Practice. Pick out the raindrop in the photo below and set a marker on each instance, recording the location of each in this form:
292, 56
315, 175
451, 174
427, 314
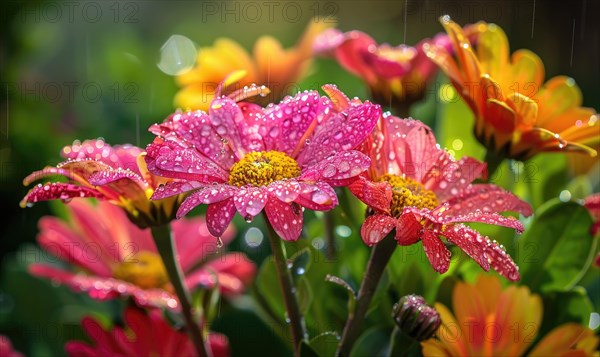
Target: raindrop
177, 55
219, 242
565, 195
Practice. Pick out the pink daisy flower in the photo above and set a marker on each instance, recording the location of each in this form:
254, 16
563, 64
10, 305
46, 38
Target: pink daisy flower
112, 257
144, 335
241, 157
393, 73
422, 192
116, 174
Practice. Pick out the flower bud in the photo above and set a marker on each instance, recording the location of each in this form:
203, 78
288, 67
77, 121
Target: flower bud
415, 318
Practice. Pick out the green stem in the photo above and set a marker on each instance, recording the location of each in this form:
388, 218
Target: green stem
380, 256
330, 250
166, 248
296, 320
402, 345
493, 161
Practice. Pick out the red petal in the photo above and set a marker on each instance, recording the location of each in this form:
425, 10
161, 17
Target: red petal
376, 227
487, 197
470, 242
408, 229
205, 195
377, 195
286, 219
58, 191
502, 262
436, 251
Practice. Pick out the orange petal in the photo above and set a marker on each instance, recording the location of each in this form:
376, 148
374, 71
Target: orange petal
557, 96
195, 97
462, 47
564, 338
526, 110
527, 71
450, 333
492, 49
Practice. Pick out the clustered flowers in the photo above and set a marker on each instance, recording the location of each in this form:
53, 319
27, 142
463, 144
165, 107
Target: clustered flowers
233, 155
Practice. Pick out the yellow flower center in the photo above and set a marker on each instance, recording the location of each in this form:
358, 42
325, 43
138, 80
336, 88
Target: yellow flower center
407, 192
260, 168
145, 270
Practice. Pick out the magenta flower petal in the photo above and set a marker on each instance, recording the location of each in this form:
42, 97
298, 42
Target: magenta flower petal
188, 164
45, 172
228, 121
328, 40
285, 218
317, 196
58, 191
102, 178
250, 200
219, 215
470, 242
339, 169
174, 188
120, 156
340, 132
194, 129
487, 197
408, 229
376, 195
205, 195
386, 67
436, 251
286, 191
289, 120
376, 227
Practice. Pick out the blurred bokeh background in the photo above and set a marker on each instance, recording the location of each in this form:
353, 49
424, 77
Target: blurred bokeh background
87, 69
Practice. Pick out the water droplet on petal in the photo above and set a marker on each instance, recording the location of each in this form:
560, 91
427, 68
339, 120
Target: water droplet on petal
219, 242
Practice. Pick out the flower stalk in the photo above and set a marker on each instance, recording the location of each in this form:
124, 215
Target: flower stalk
380, 256
296, 320
165, 244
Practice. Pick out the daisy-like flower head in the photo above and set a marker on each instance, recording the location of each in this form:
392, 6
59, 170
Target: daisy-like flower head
244, 158
394, 74
145, 334
489, 320
516, 114
418, 189
111, 257
116, 174
278, 68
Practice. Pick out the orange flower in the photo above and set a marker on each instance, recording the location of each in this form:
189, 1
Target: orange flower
278, 68
516, 115
491, 321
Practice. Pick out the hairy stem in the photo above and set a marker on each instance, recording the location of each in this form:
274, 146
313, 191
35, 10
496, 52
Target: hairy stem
380, 256
296, 320
166, 248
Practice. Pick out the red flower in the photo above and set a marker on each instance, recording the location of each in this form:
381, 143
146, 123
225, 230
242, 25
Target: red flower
393, 73
244, 158
423, 193
143, 335
113, 257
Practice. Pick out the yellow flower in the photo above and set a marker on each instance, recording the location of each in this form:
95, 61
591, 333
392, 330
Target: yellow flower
491, 321
270, 64
516, 114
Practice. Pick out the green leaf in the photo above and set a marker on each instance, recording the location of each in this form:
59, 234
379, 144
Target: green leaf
304, 294
374, 342
307, 351
402, 345
556, 250
325, 344
268, 292
563, 307
300, 263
